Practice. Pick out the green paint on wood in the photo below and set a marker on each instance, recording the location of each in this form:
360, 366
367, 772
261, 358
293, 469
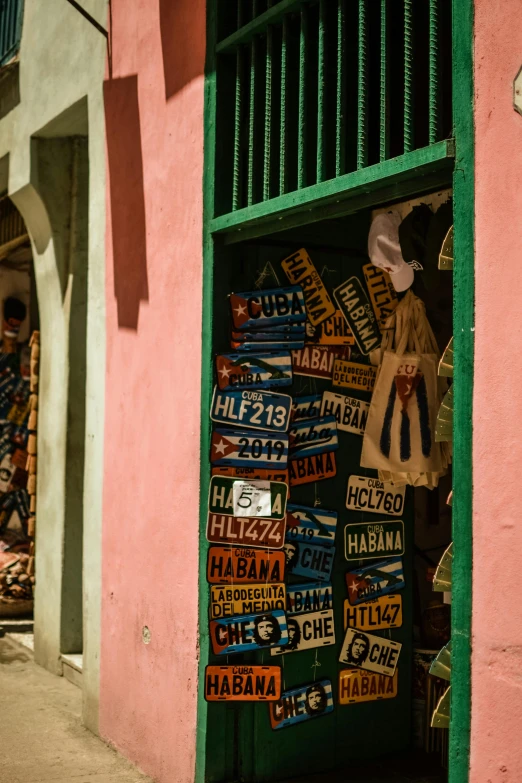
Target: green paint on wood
463, 379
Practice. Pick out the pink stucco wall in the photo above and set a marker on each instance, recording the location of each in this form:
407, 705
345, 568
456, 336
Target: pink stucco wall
154, 117
496, 742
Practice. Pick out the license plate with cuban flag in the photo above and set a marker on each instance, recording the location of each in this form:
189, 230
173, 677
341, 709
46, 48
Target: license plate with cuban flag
253, 370
238, 447
271, 307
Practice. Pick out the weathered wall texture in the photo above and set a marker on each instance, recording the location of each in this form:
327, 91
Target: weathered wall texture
496, 748
154, 120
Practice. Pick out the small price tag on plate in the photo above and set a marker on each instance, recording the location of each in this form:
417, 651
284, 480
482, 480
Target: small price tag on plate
251, 499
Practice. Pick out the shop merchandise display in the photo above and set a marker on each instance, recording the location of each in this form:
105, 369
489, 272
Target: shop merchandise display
270, 564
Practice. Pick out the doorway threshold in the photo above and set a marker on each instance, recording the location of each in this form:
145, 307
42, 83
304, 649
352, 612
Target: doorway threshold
413, 767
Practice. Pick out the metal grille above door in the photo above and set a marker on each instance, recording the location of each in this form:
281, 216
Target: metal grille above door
310, 90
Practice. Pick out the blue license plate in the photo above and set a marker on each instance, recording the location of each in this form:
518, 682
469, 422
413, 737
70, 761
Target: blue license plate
309, 560
257, 410
241, 447
307, 407
248, 632
272, 307
311, 525
309, 597
287, 333
252, 347
316, 436
372, 581
302, 703
253, 371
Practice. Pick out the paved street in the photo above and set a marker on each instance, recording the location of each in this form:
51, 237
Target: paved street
41, 736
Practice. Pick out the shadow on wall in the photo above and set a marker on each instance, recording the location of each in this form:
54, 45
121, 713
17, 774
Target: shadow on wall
129, 245
182, 42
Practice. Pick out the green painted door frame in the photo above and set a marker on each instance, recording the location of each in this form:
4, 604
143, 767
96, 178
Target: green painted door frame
403, 179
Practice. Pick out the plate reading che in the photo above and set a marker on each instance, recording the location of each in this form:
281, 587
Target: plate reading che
369, 652
350, 413
248, 632
308, 560
305, 702
221, 496
370, 494
307, 631
374, 540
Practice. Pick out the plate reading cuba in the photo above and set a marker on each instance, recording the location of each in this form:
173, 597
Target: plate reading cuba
315, 525
240, 501
271, 307
313, 437
374, 580
242, 447
257, 410
374, 540
309, 597
305, 702
307, 631
350, 413
372, 495
248, 632
253, 370
306, 407
369, 652
242, 683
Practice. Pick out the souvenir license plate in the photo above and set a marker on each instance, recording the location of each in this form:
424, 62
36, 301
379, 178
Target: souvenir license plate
246, 531
370, 494
307, 407
356, 685
237, 447
309, 560
252, 474
355, 305
305, 470
231, 600
317, 361
351, 375
272, 307
302, 703
379, 615
237, 498
314, 525
369, 652
281, 333
311, 597
242, 683
374, 580
374, 540
306, 631
228, 566
253, 371
313, 437
248, 632
257, 410
381, 291
350, 413
299, 269
272, 345
333, 331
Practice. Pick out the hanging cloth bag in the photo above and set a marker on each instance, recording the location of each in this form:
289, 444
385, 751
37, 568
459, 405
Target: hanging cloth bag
400, 432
